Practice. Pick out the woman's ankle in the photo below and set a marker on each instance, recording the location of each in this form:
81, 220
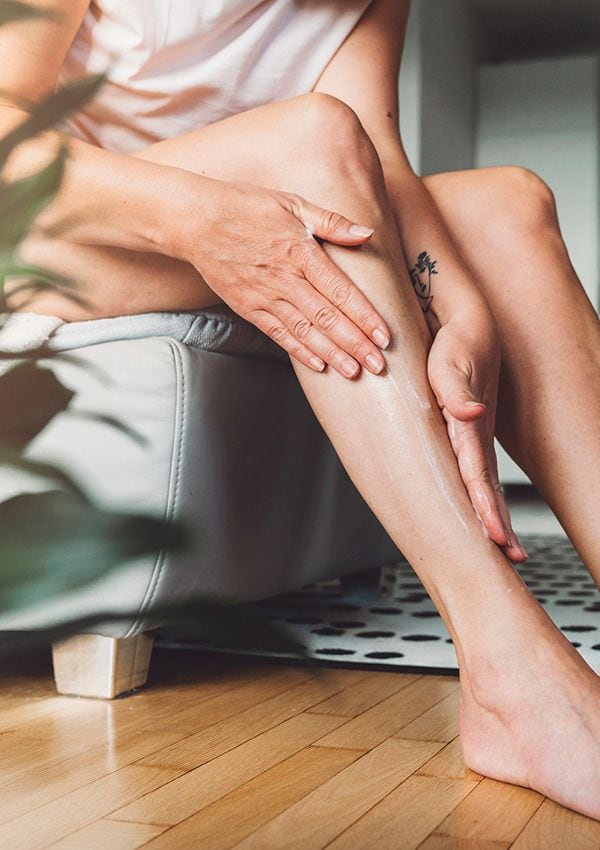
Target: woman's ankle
502, 678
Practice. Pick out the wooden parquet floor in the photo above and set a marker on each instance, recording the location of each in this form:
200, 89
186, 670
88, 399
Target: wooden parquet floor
221, 753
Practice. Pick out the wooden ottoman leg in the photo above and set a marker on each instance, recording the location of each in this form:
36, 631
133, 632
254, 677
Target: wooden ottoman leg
102, 667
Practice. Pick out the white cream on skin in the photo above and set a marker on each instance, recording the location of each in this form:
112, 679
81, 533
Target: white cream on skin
437, 463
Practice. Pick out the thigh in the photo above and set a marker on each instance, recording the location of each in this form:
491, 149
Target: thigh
256, 146
499, 218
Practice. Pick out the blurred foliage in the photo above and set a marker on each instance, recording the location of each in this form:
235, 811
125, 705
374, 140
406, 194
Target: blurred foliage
57, 541
13, 10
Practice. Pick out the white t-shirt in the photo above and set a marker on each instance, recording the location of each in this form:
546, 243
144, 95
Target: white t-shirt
176, 65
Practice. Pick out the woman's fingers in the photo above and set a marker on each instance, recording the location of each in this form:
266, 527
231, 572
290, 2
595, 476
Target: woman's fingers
328, 225
515, 550
478, 468
328, 279
306, 332
472, 463
276, 329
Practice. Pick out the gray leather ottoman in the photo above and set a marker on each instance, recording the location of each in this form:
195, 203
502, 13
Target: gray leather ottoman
230, 444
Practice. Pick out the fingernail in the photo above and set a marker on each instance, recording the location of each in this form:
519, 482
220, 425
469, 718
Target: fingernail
316, 363
474, 404
374, 363
380, 338
516, 543
359, 230
349, 367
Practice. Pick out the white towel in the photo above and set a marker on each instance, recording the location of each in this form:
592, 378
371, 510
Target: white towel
216, 329
21, 332
26, 331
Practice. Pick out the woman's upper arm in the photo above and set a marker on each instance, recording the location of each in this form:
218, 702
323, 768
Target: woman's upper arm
364, 71
32, 51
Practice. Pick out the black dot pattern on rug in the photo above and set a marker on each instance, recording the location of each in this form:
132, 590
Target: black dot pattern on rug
420, 637
384, 655
336, 651
411, 597
425, 615
392, 623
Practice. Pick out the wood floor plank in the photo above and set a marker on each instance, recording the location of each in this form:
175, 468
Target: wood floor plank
204, 785
446, 842
226, 822
494, 811
316, 820
555, 828
50, 782
438, 723
215, 740
113, 723
371, 690
18, 715
104, 834
406, 816
220, 753
81, 807
449, 763
344, 676
376, 724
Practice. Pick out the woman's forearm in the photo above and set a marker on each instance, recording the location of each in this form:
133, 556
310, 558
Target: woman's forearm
445, 288
108, 198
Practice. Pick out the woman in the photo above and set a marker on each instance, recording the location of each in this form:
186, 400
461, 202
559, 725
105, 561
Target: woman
232, 133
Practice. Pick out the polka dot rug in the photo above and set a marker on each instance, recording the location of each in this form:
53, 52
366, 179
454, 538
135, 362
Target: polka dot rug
384, 617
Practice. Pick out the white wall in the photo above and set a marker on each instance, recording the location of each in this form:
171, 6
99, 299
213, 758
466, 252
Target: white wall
411, 89
438, 86
545, 115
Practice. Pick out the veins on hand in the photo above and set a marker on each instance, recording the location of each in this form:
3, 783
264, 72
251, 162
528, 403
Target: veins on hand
421, 275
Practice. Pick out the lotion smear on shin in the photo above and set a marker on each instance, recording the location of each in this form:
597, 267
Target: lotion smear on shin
437, 463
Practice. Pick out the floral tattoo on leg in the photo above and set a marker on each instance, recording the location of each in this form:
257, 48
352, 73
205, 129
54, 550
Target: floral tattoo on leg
421, 275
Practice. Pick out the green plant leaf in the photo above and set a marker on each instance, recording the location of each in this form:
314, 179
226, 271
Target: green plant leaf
51, 111
30, 397
52, 543
49, 471
22, 200
14, 268
13, 10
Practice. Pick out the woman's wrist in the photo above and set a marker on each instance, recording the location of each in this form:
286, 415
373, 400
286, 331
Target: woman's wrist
183, 218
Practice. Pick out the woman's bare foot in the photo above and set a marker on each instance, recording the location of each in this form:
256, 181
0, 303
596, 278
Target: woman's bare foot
535, 721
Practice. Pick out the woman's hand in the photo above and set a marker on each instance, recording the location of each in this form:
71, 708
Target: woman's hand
256, 249
463, 367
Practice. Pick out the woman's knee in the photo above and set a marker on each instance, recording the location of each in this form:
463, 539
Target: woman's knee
522, 195
331, 141
502, 204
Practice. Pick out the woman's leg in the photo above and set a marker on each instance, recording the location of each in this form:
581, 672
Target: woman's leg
505, 225
526, 710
